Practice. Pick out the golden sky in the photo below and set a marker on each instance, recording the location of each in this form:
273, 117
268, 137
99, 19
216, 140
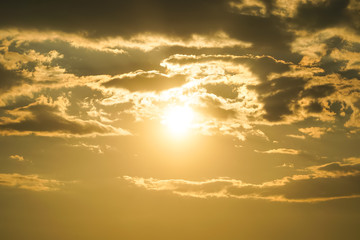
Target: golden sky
192, 119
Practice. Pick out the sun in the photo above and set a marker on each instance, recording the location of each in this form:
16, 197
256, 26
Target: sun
178, 119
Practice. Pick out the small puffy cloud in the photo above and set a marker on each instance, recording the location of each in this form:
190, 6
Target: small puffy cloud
249, 7
315, 132
281, 151
17, 158
29, 182
326, 182
296, 136
286, 165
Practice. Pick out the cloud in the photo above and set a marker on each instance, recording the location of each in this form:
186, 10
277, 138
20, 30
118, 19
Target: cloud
286, 165
315, 132
29, 182
146, 81
158, 16
46, 117
250, 7
91, 147
215, 108
281, 151
144, 41
323, 14
17, 158
296, 136
261, 66
9, 79
279, 95
326, 182
236, 77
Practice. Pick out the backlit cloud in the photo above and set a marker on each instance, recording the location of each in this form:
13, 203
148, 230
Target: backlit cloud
281, 151
17, 158
46, 117
29, 182
315, 132
326, 182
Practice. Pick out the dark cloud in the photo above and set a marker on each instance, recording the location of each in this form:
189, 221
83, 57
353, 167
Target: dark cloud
278, 94
327, 182
260, 66
263, 66
83, 61
324, 14
214, 108
331, 65
338, 106
223, 90
126, 18
315, 107
319, 188
46, 119
147, 81
340, 168
9, 79
350, 74
281, 96
341, 66
319, 91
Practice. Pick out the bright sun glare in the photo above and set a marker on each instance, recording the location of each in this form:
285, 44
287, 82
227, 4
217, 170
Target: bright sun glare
178, 119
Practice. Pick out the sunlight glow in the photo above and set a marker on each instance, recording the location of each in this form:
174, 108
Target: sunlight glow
178, 119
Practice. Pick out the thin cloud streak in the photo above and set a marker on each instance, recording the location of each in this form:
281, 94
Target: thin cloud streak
337, 180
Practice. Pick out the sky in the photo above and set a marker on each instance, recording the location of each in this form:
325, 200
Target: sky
184, 119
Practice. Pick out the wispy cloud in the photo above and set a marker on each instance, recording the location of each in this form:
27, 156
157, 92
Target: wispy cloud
281, 151
296, 136
91, 147
315, 132
326, 182
29, 182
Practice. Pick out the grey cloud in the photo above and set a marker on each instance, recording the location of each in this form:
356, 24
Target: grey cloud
147, 81
339, 167
323, 183
9, 79
46, 119
126, 18
278, 94
331, 64
314, 107
324, 14
214, 108
350, 74
83, 61
223, 90
319, 91
261, 66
